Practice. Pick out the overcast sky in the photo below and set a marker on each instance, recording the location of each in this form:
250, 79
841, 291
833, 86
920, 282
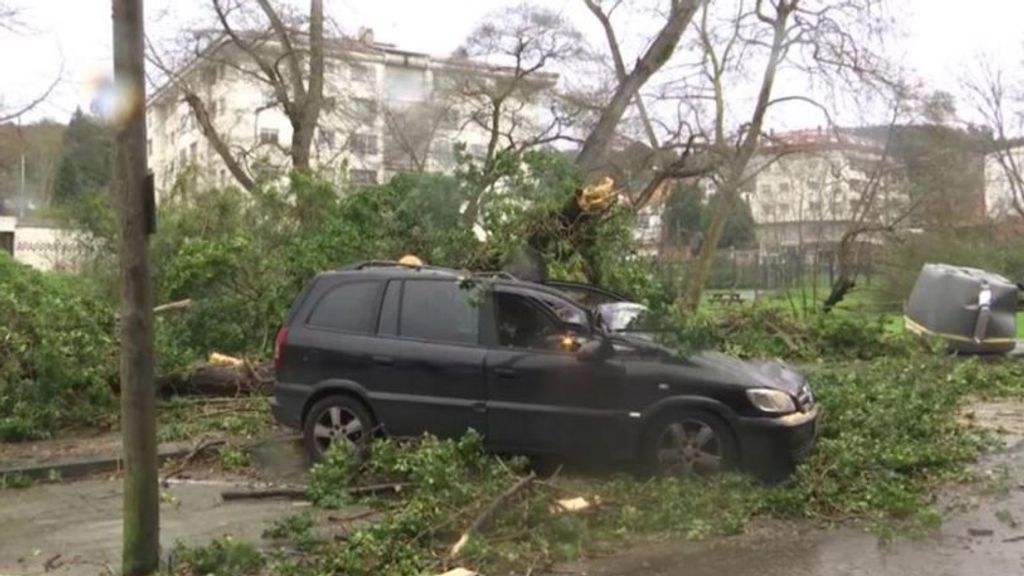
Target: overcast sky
941, 38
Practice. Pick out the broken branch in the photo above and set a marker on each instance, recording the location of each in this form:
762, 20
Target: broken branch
488, 512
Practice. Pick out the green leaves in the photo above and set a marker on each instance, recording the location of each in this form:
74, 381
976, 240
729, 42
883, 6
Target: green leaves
57, 352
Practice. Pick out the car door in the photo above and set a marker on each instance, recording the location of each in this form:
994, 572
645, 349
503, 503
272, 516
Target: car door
431, 351
336, 333
540, 396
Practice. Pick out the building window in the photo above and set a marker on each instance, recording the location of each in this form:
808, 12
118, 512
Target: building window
450, 119
784, 187
765, 189
193, 151
325, 139
365, 110
362, 73
478, 151
362, 177
222, 177
7, 242
329, 104
784, 208
444, 151
268, 136
814, 207
222, 107
182, 158
364, 144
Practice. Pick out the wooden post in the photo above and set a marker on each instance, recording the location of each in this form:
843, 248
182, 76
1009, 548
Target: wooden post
141, 554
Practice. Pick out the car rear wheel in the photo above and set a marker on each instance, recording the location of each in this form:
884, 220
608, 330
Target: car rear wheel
689, 444
335, 419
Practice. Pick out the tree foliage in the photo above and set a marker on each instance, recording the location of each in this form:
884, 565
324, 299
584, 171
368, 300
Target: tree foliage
57, 352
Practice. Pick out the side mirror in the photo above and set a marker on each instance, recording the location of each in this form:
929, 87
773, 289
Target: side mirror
595, 350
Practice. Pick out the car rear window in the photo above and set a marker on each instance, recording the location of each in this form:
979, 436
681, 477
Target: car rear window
350, 307
439, 310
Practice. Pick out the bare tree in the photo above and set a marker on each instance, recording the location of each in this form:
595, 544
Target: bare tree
281, 51
10, 22
628, 85
993, 98
826, 39
883, 204
521, 44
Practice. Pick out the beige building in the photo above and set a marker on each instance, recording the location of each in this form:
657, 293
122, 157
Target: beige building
385, 111
809, 185
1001, 199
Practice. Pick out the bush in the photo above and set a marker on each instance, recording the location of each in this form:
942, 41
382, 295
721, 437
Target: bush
224, 556
770, 331
58, 355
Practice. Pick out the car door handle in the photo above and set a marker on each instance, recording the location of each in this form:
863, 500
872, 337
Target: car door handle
505, 372
384, 360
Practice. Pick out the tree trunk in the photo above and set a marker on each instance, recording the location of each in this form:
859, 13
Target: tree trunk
705, 259
596, 144
141, 528
304, 130
219, 145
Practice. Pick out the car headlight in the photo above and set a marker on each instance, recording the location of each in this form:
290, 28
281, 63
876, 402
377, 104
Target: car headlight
771, 401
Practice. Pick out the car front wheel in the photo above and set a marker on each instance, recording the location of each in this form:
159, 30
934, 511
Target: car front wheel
688, 444
335, 419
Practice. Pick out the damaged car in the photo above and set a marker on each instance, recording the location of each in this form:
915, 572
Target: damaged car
406, 350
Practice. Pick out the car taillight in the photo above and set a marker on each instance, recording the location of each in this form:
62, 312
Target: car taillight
279, 342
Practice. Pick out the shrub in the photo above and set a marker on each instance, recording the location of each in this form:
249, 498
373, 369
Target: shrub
57, 352
224, 556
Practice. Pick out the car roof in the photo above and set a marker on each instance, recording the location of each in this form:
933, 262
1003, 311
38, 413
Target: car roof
389, 269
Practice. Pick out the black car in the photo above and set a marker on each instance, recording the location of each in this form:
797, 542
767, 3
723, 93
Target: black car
406, 350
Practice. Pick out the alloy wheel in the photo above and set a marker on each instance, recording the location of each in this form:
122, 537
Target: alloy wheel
689, 448
337, 423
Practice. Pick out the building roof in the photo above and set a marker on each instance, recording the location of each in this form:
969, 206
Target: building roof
364, 48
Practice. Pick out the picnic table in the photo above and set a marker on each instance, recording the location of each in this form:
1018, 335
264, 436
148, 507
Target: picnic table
726, 298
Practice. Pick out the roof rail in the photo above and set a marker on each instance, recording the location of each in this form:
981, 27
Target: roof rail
496, 274
391, 264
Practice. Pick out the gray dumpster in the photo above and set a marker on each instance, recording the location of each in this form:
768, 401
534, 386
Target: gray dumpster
973, 310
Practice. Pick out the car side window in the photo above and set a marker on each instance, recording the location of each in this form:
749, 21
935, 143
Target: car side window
521, 322
388, 324
439, 310
349, 307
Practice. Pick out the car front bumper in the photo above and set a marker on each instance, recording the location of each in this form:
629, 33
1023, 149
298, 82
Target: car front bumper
771, 447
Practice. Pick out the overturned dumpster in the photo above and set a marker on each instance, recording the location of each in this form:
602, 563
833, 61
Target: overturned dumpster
974, 311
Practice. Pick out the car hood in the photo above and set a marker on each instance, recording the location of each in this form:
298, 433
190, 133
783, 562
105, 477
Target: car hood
718, 367
748, 373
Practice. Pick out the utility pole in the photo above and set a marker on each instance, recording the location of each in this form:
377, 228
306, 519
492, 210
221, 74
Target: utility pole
141, 554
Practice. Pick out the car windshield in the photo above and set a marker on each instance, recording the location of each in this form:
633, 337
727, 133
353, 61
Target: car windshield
620, 316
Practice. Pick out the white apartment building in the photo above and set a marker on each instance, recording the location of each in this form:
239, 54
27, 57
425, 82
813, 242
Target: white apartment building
385, 111
809, 185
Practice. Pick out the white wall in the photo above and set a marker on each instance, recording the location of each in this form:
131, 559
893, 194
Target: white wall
999, 201
47, 248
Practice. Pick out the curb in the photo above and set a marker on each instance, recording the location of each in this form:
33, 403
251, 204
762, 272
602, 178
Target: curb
74, 468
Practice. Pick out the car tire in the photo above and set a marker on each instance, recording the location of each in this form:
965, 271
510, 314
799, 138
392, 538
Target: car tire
688, 444
334, 417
